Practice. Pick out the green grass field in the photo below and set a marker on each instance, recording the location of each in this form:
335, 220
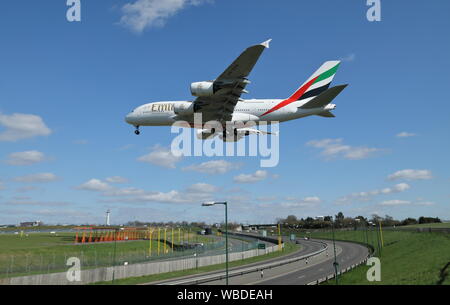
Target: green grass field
288, 248
445, 225
45, 253
409, 258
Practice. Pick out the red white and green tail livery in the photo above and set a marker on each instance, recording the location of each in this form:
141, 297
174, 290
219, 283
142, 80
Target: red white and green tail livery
318, 83
220, 100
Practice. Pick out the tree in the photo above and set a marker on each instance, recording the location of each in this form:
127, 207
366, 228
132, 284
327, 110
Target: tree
409, 221
423, 219
291, 220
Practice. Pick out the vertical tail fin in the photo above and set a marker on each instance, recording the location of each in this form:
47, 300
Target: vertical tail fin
318, 82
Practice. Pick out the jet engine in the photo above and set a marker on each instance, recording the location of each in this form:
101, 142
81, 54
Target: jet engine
183, 108
206, 88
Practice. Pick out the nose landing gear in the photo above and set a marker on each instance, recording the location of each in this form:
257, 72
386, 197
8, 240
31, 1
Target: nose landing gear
137, 132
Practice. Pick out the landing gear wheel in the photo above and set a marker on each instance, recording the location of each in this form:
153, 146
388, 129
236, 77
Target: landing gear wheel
137, 132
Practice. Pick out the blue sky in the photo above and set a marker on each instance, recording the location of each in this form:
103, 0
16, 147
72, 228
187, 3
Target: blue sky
66, 154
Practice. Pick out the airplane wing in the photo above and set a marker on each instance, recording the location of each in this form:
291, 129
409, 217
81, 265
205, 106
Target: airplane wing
231, 83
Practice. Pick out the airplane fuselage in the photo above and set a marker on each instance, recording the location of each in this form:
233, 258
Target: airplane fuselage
255, 110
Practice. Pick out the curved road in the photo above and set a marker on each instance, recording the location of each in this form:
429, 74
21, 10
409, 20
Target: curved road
348, 254
297, 273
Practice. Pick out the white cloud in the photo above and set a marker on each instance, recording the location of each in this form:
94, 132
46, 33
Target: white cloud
142, 14
334, 148
129, 191
425, 203
39, 178
162, 157
301, 203
202, 188
395, 202
251, 178
401, 187
405, 134
367, 196
411, 174
25, 157
116, 179
95, 185
193, 194
22, 126
26, 201
212, 167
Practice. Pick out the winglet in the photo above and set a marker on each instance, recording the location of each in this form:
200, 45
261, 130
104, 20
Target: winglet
266, 43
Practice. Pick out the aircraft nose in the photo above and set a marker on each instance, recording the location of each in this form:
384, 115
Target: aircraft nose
130, 118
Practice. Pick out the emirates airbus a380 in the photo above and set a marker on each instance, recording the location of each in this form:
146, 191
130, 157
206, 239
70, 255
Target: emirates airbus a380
220, 101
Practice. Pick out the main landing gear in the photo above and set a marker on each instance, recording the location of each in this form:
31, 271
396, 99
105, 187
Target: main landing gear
137, 132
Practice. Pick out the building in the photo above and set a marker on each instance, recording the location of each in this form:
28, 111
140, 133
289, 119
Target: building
31, 224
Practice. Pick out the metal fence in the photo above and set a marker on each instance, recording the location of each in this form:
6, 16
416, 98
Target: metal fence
90, 257
190, 259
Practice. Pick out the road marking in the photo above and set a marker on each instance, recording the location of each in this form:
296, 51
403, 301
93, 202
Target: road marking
301, 276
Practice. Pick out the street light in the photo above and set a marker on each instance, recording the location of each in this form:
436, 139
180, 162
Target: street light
335, 263
211, 203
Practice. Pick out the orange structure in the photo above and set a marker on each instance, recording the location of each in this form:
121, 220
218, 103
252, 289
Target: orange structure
108, 234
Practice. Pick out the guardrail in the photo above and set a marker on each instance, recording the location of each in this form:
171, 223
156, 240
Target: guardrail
216, 277
342, 271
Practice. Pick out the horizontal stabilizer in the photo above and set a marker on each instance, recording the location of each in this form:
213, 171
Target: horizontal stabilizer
324, 98
327, 114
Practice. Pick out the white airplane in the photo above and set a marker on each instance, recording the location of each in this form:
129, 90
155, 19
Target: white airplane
220, 101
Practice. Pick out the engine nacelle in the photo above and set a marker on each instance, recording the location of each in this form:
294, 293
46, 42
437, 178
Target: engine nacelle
183, 108
203, 88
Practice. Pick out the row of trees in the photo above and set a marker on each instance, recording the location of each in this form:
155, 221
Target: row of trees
180, 224
340, 221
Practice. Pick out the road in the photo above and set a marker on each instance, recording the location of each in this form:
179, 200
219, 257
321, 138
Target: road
348, 254
297, 273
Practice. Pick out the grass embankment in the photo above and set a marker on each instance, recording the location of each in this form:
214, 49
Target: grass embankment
407, 258
288, 248
442, 225
45, 252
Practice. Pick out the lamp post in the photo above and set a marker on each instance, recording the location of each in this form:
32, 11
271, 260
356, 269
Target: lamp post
211, 203
335, 263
